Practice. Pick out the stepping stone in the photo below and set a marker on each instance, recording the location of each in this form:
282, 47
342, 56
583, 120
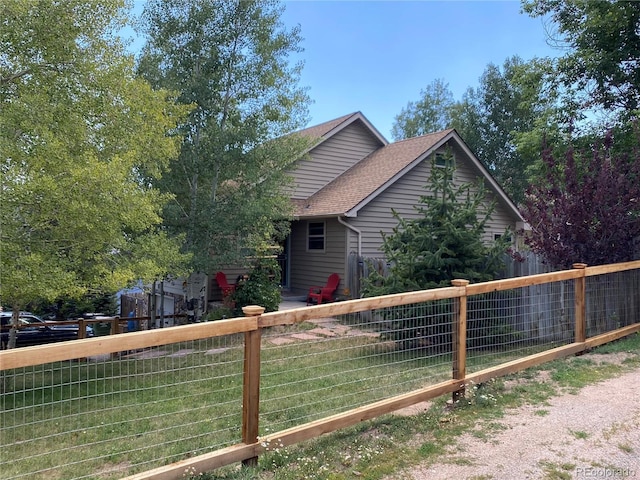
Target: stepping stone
360, 333
281, 340
100, 358
148, 354
323, 331
182, 353
215, 351
341, 329
305, 336
325, 322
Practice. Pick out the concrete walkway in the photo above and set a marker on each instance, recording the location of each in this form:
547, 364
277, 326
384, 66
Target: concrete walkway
287, 304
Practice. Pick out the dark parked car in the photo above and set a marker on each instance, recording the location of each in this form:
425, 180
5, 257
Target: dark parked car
35, 331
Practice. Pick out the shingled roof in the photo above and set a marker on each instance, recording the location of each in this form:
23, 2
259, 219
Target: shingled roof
349, 192
319, 131
370, 176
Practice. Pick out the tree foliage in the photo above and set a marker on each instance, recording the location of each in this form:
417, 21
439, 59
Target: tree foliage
444, 241
493, 118
80, 140
229, 61
262, 287
510, 101
587, 208
603, 60
431, 113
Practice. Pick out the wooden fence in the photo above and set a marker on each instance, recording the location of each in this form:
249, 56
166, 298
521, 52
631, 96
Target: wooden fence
526, 263
590, 317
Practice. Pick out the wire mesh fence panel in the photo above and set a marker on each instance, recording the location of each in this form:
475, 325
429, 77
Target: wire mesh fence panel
613, 301
108, 416
112, 415
330, 365
509, 324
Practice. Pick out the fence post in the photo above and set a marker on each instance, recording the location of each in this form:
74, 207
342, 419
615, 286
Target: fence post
459, 339
580, 304
82, 329
251, 382
115, 325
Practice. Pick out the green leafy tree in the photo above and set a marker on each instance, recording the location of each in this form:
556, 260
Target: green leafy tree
262, 287
466, 118
431, 113
598, 76
229, 61
81, 138
69, 307
444, 242
603, 58
511, 101
493, 118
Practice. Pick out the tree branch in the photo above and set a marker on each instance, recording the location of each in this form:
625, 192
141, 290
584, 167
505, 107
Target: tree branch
15, 76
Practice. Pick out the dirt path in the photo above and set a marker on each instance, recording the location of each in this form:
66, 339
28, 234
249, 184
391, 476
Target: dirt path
592, 434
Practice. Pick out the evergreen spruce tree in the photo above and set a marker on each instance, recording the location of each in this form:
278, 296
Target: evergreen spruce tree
444, 242
441, 244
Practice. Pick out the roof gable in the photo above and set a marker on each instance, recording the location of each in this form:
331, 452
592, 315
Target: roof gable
326, 130
356, 187
369, 177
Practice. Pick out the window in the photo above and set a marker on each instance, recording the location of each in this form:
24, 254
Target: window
498, 236
315, 236
443, 160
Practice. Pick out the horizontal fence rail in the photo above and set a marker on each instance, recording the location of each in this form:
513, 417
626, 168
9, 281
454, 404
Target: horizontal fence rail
156, 403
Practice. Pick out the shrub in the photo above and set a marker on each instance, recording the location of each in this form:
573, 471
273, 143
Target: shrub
261, 288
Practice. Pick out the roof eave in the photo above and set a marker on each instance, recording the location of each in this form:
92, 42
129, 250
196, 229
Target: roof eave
353, 212
320, 215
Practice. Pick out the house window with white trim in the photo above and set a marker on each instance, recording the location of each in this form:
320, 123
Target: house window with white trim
315, 236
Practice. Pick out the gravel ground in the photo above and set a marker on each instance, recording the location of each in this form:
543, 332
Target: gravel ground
594, 433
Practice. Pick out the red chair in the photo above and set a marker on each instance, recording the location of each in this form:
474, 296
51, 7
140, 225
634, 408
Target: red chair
320, 294
226, 287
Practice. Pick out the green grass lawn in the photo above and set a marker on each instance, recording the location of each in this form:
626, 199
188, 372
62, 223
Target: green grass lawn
104, 419
384, 447
145, 412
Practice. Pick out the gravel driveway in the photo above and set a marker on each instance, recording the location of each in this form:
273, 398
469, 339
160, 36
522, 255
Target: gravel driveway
594, 433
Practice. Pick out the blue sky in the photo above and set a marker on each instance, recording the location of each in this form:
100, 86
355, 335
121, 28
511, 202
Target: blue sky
376, 56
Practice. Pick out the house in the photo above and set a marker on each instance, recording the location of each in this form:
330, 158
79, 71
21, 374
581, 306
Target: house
348, 183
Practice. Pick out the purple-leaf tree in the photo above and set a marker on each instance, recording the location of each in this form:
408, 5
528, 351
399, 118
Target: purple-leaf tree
587, 208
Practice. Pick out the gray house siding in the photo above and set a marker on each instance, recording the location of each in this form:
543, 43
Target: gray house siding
376, 216
373, 215
332, 158
310, 267
501, 217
